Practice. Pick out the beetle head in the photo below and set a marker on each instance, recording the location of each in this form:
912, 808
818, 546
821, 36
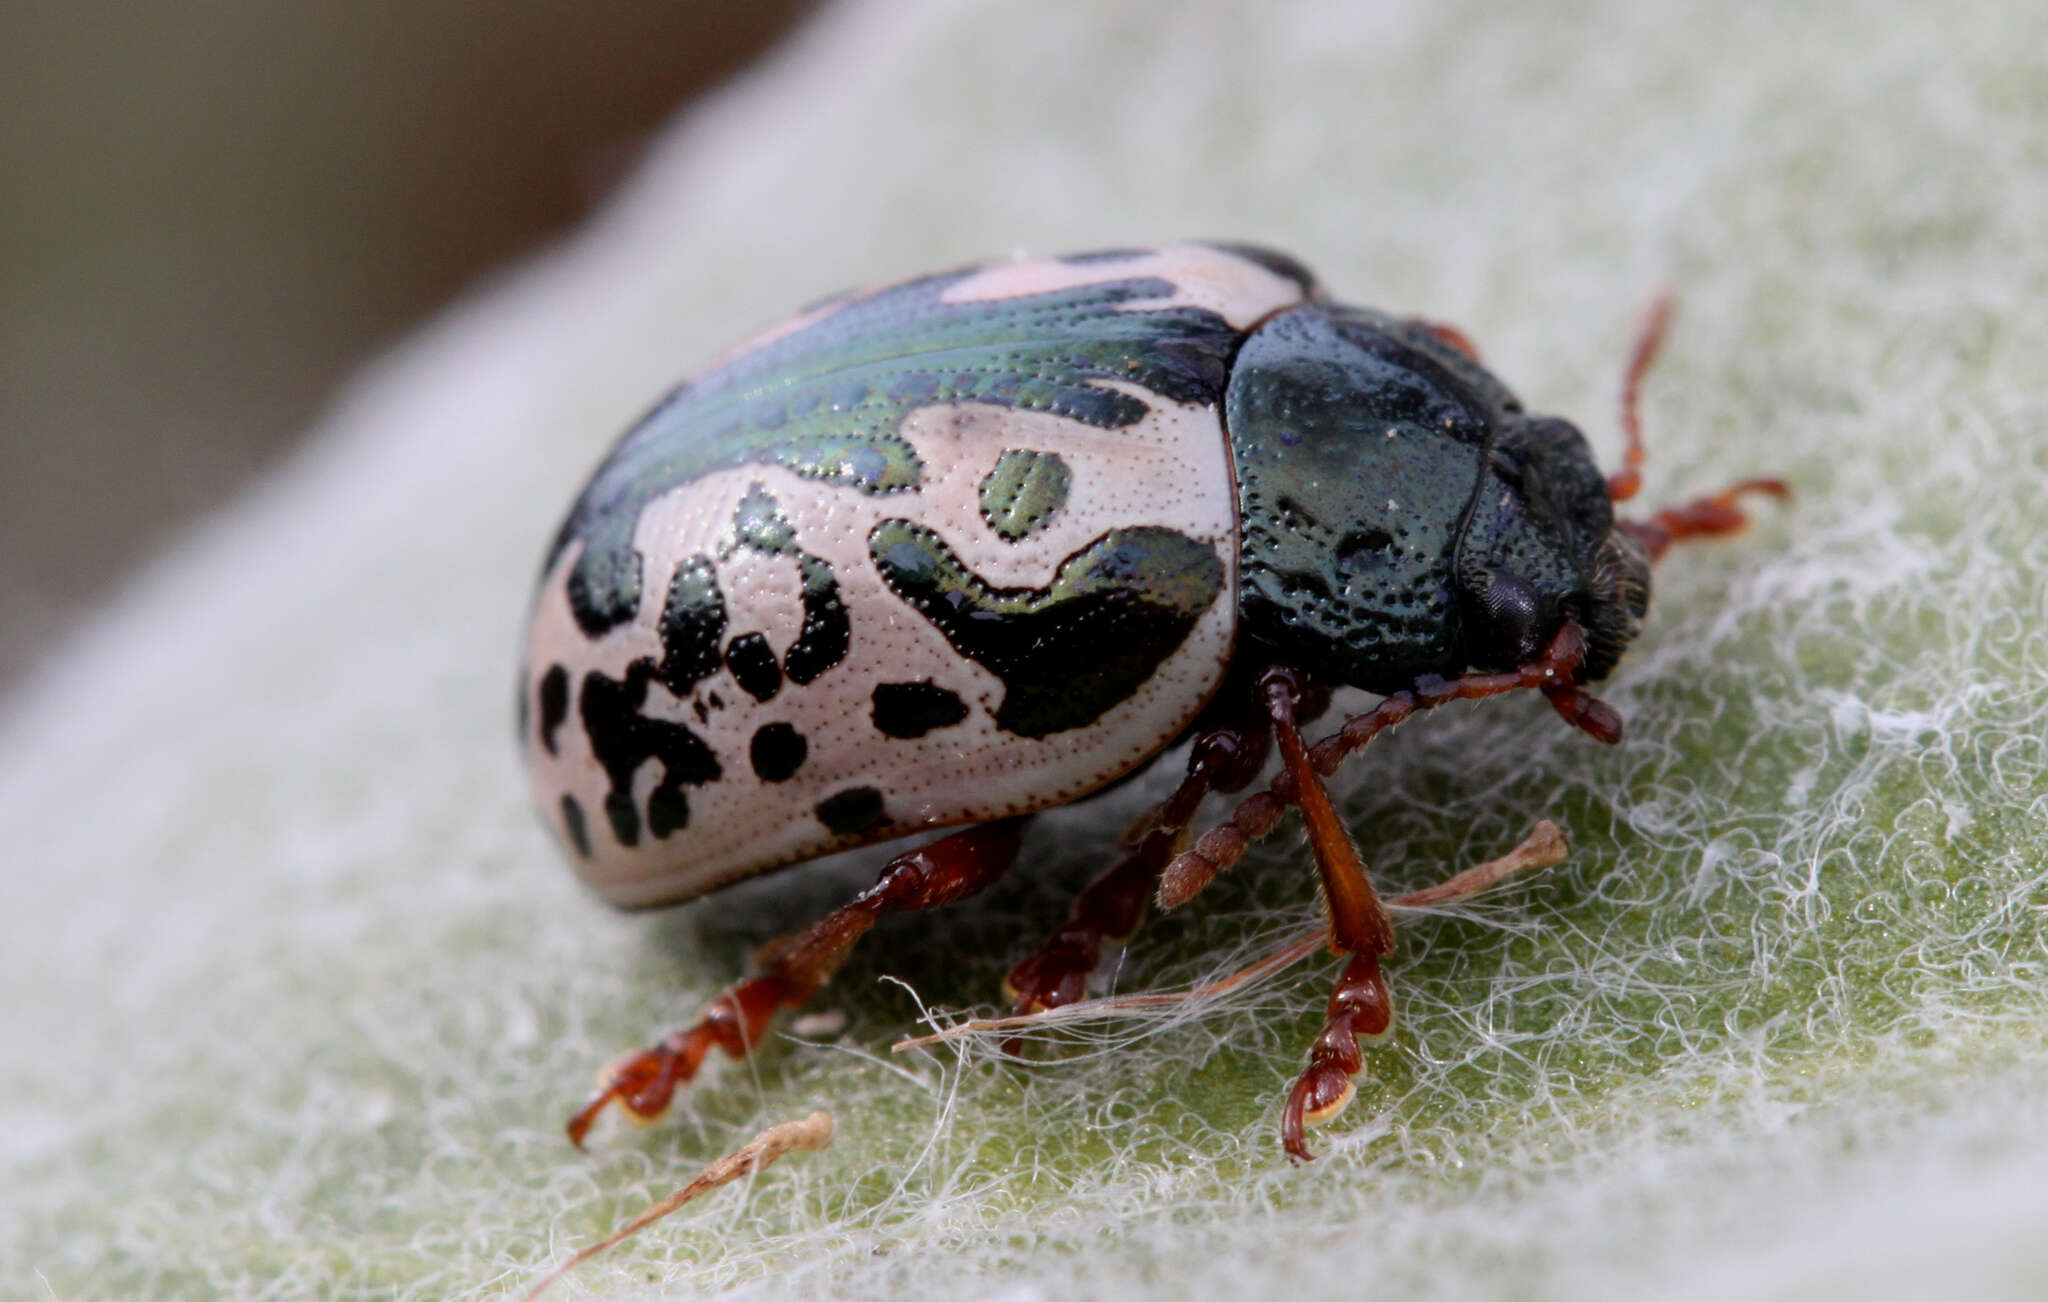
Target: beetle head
1541, 546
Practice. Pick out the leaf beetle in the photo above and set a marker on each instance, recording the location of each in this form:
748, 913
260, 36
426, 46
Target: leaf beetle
952, 551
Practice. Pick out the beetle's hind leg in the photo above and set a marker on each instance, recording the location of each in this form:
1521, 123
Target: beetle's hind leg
948, 870
1225, 757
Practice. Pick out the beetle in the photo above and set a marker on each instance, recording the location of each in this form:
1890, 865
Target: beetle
952, 551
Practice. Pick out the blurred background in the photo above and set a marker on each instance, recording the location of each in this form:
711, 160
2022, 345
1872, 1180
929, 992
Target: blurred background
213, 213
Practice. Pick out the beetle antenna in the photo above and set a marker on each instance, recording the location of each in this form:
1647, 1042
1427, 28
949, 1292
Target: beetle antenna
1706, 517
1625, 482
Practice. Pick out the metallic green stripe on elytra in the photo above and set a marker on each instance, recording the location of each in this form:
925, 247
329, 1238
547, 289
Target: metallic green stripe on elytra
826, 401
1024, 491
1071, 651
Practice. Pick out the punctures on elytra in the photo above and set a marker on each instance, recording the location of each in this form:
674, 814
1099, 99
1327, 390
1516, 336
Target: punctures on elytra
907, 711
751, 661
754, 594
826, 401
852, 812
1073, 650
827, 629
1023, 493
554, 705
777, 751
759, 524
693, 623
603, 589
622, 738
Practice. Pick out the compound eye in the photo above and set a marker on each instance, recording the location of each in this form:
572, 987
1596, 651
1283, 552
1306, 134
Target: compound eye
1518, 614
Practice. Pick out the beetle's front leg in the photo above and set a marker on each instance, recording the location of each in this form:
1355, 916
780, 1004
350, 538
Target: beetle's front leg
948, 870
1360, 1006
1359, 927
1225, 757
1554, 674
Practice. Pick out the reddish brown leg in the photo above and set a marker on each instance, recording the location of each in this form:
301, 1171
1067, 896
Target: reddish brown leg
1358, 922
946, 871
1359, 927
1056, 974
1360, 1005
1220, 848
1222, 758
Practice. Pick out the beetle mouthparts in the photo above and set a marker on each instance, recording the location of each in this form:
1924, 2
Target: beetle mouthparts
1621, 596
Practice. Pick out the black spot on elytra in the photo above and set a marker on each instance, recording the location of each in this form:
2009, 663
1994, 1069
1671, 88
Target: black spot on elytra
554, 704
760, 525
1068, 652
622, 738
692, 625
668, 810
752, 662
572, 823
910, 710
777, 752
852, 811
827, 630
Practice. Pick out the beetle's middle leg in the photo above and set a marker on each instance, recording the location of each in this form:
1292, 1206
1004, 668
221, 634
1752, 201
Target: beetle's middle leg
1224, 756
944, 872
